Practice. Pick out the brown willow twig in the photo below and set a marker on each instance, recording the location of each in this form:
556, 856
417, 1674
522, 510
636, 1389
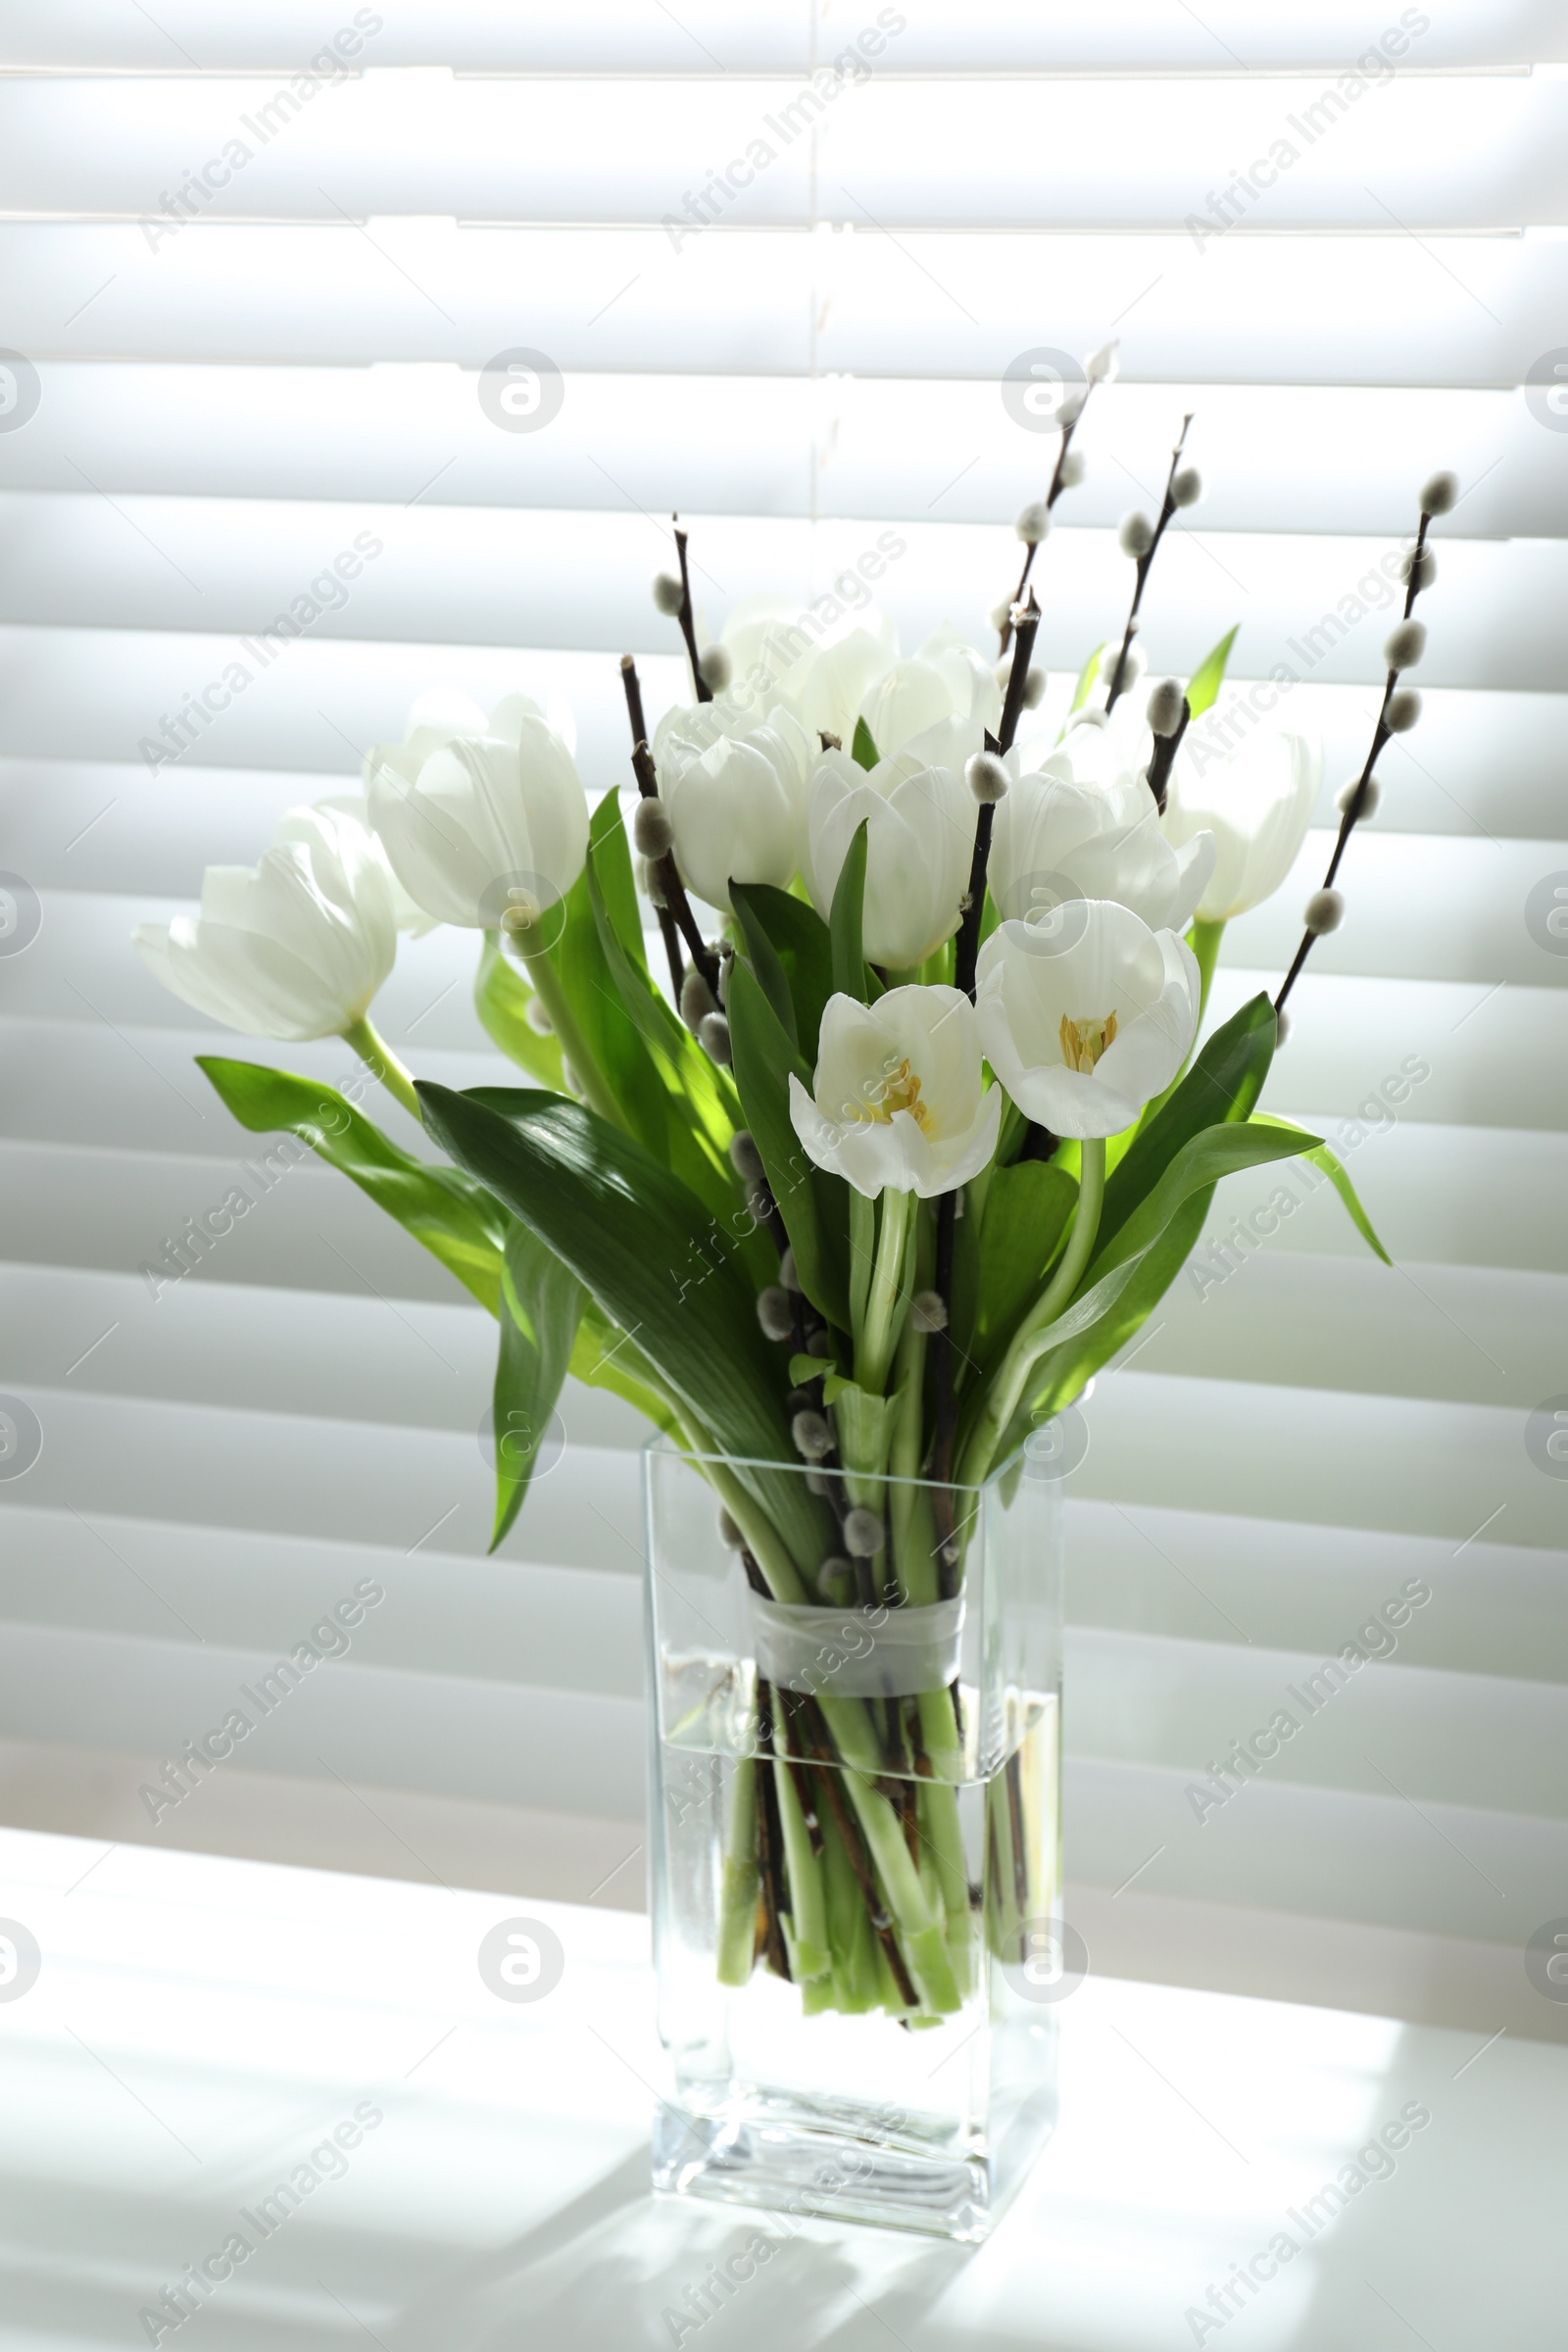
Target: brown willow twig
669, 878
688, 627
1357, 801
1057, 485
639, 734
965, 954
1163, 758
1145, 563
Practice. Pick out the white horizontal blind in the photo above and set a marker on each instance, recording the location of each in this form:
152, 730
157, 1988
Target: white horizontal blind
254, 295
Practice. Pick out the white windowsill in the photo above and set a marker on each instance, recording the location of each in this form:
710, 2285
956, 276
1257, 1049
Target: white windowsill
201, 2025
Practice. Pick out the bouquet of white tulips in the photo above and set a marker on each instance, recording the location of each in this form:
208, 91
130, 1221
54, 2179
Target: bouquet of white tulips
866, 1168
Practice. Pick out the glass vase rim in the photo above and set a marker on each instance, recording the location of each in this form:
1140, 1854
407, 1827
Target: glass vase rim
658, 1443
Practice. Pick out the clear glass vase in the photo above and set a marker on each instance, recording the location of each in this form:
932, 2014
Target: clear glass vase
855, 1843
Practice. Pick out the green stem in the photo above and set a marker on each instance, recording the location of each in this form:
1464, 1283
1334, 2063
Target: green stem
378, 1057
862, 1255
1204, 939
768, 1549
808, 1931
1007, 1389
547, 986
737, 1911
873, 1353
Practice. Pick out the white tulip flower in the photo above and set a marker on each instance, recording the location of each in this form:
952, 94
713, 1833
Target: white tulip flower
1084, 825
945, 679
484, 820
733, 786
1257, 803
919, 846
826, 686
356, 804
433, 719
897, 1097
294, 946
1086, 1018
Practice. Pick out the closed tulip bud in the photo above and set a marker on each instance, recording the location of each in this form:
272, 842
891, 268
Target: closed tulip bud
928, 1311
538, 1019
1187, 487
1324, 913
812, 1435
920, 835
864, 1535
1371, 794
1137, 534
292, 947
775, 1313
1033, 523
732, 783
1404, 708
717, 667
745, 1158
1419, 574
986, 777
696, 998
1440, 493
489, 827
1166, 707
713, 1034
1073, 470
668, 597
1257, 804
651, 830
788, 1272
729, 1532
1102, 365
1405, 645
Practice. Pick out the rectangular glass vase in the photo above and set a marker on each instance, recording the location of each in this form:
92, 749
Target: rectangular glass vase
855, 1840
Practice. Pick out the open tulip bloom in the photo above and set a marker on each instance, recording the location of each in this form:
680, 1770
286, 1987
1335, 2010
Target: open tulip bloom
944, 1018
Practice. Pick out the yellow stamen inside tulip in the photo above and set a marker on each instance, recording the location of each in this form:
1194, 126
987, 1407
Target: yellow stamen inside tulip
898, 1088
1084, 1041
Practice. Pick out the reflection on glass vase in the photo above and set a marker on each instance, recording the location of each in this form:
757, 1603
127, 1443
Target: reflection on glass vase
855, 1835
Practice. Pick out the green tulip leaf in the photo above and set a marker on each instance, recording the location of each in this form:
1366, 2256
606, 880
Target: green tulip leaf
1204, 684
1027, 1208
801, 941
765, 959
1222, 1085
449, 1214
542, 1303
1321, 1157
863, 750
655, 1264
701, 1109
811, 1204
846, 920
